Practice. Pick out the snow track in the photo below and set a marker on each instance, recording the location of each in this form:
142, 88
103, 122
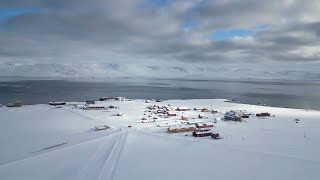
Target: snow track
101, 120
60, 149
104, 162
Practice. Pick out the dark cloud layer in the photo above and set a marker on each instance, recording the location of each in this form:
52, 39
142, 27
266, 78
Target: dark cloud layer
95, 30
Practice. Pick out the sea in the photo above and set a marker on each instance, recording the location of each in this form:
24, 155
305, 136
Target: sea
278, 93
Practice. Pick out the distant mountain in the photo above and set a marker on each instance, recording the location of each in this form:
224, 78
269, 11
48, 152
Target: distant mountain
114, 70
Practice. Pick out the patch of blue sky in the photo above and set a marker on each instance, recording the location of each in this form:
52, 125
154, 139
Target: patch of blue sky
154, 3
11, 12
229, 34
189, 25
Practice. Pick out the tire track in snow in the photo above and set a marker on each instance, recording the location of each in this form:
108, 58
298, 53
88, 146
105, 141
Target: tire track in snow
61, 149
91, 169
90, 117
104, 162
112, 162
116, 163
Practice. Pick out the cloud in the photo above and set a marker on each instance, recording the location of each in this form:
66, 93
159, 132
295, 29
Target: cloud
146, 31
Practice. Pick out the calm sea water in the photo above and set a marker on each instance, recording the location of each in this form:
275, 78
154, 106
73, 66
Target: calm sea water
294, 94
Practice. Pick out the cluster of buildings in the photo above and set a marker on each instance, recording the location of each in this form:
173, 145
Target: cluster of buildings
239, 115
201, 129
91, 104
14, 104
115, 98
181, 123
165, 111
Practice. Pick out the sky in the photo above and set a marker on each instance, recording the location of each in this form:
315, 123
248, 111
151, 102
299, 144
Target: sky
160, 31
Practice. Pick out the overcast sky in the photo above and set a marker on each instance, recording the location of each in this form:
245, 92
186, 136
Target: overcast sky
218, 31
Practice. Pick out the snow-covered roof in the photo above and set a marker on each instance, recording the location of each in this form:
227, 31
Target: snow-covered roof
203, 132
171, 112
205, 124
194, 121
181, 126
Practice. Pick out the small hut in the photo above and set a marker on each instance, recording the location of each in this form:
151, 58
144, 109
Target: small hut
103, 127
184, 117
204, 110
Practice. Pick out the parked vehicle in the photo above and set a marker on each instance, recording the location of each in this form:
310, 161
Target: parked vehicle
103, 127
215, 136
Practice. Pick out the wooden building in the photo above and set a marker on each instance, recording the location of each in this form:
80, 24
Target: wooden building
180, 129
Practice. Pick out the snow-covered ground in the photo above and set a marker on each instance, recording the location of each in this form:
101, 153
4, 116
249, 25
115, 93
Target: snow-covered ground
45, 142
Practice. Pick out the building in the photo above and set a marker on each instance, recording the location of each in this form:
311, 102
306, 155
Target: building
194, 122
15, 104
106, 98
171, 113
232, 116
202, 132
184, 117
120, 98
204, 110
243, 114
181, 129
81, 106
90, 102
57, 103
204, 125
96, 107
263, 114
183, 109
201, 116
146, 121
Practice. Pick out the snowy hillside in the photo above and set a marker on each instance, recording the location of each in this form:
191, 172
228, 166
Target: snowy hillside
113, 70
44, 142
